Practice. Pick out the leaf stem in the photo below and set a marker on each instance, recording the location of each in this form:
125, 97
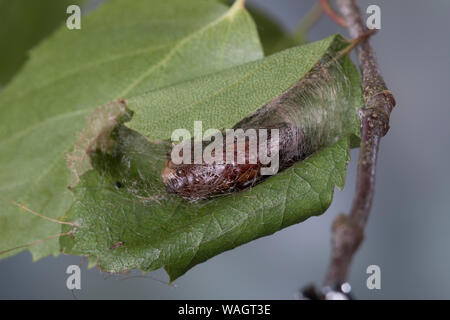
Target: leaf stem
352, 45
307, 22
331, 13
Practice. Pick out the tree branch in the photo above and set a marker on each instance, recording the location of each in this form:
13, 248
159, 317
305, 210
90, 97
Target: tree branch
348, 230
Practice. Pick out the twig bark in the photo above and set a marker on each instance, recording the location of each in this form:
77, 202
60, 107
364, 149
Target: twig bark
348, 230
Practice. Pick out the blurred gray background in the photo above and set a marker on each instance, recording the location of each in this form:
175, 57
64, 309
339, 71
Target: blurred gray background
408, 234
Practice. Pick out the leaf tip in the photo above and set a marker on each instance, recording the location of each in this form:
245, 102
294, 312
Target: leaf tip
235, 8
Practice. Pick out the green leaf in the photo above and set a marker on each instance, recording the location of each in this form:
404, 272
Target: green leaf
27, 22
273, 37
223, 99
127, 219
141, 226
124, 48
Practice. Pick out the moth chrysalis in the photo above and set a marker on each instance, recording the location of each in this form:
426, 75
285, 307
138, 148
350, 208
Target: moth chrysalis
309, 115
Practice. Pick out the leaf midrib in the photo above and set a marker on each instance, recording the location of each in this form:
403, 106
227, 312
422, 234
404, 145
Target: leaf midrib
178, 45
171, 53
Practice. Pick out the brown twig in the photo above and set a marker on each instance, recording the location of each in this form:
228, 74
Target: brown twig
331, 13
348, 230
